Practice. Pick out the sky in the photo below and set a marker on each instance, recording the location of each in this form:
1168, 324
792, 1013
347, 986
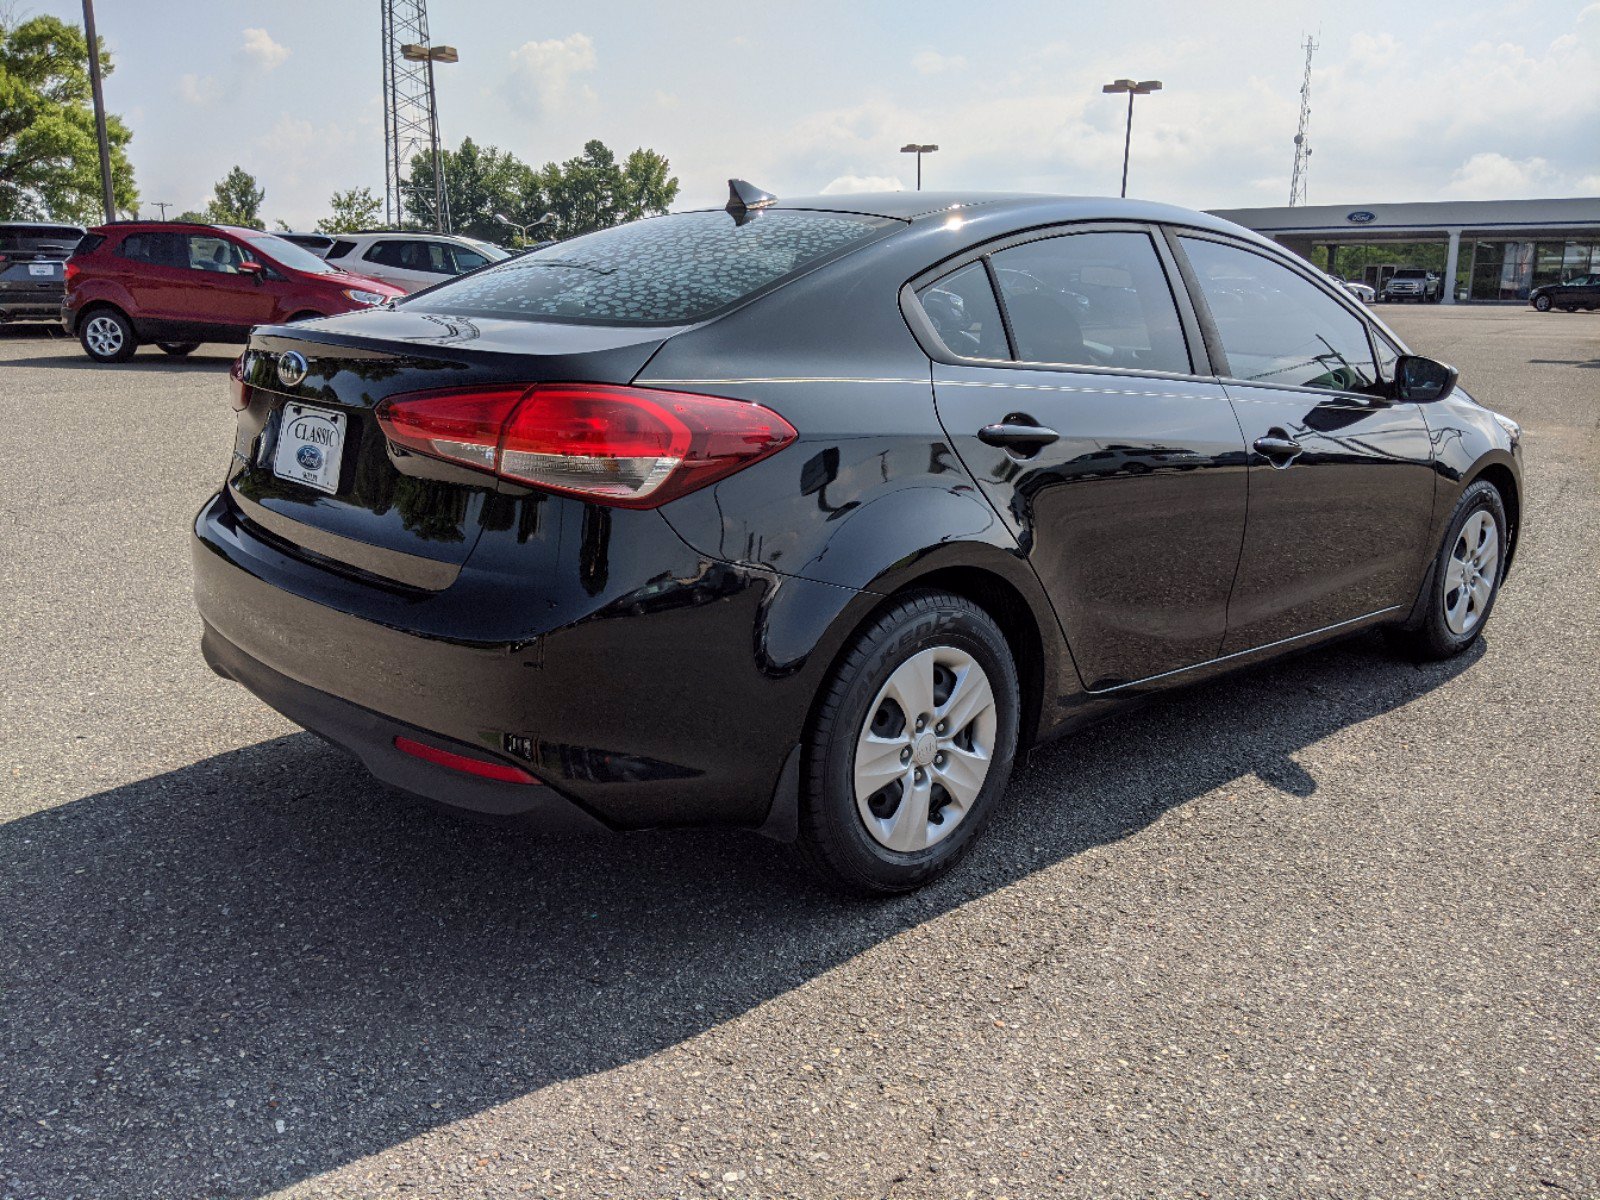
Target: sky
1411, 99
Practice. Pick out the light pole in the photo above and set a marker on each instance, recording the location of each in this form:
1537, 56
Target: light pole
416, 52
522, 230
99, 110
1133, 89
919, 151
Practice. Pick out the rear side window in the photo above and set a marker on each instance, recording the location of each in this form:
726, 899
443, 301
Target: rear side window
1278, 327
962, 309
157, 249
661, 270
88, 244
1091, 299
340, 248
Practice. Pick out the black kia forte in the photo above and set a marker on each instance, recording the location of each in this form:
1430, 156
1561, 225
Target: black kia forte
806, 516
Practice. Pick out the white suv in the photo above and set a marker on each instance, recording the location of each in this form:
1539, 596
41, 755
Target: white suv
411, 261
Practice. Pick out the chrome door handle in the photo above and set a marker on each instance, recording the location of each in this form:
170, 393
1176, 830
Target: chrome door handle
1012, 436
1278, 448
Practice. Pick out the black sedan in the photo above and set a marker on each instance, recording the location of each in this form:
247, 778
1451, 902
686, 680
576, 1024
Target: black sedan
1580, 292
806, 516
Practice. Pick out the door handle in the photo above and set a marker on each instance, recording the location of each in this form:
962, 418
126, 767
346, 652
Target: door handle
1278, 448
1012, 435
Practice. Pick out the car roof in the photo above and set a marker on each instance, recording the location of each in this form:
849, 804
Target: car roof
39, 225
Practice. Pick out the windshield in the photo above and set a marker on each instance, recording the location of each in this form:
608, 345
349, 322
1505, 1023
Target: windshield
662, 270
287, 254
1411, 273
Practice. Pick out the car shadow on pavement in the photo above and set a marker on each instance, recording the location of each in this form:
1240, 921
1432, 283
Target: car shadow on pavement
139, 362
234, 976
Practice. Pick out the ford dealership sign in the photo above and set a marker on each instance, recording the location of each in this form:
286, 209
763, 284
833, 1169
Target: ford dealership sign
1361, 218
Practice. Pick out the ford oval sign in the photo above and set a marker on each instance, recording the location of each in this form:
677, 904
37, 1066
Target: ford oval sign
1361, 218
310, 457
291, 368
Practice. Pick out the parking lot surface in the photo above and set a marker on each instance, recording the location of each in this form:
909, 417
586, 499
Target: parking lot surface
1322, 929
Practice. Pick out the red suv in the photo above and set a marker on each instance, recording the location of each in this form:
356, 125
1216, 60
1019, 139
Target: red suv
178, 285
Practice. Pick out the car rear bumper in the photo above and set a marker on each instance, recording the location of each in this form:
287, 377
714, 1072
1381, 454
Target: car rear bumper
642, 683
372, 738
25, 307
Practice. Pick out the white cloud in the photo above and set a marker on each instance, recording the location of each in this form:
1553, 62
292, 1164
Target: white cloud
863, 183
931, 62
262, 50
198, 89
545, 72
1491, 176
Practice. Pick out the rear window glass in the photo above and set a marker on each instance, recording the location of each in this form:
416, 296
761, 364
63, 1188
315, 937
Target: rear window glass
35, 237
662, 270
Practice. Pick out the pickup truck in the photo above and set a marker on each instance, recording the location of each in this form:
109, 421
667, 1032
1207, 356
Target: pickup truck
1413, 283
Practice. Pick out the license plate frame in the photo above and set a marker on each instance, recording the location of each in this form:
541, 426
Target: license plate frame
310, 449
46, 270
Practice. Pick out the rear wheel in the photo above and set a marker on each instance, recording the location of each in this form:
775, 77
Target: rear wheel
179, 349
911, 746
1466, 578
108, 336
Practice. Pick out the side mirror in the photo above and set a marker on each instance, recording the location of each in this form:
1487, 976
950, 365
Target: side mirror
251, 267
1418, 380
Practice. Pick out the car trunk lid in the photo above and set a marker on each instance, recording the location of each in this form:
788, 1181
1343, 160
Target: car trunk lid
313, 469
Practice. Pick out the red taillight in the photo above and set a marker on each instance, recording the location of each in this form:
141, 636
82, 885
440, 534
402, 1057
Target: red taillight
239, 389
69, 270
501, 772
633, 447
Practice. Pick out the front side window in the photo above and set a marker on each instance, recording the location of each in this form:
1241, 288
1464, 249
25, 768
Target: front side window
1091, 299
1276, 326
963, 312
210, 253
467, 260
661, 270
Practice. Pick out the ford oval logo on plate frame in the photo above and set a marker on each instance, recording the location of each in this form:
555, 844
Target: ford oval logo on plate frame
1361, 217
292, 368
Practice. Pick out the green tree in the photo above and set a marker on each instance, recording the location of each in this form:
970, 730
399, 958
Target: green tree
592, 191
49, 159
356, 209
236, 200
482, 182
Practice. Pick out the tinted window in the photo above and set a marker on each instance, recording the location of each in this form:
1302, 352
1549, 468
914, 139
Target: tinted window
1091, 299
407, 255
340, 248
37, 238
386, 253
158, 249
468, 260
1277, 326
962, 309
659, 270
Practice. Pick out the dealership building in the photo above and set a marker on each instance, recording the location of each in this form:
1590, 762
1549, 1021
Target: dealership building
1493, 250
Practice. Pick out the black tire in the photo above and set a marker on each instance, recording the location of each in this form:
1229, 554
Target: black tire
1432, 638
1542, 303
179, 349
107, 336
834, 841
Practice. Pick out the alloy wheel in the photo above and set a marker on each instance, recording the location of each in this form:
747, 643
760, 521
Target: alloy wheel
104, 336
925, 751
1471, 572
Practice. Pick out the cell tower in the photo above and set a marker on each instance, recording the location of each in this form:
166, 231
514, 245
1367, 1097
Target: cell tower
410, 113
1302, 144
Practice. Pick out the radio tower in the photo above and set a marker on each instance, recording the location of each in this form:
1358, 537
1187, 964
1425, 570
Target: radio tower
1302, 144
410, 115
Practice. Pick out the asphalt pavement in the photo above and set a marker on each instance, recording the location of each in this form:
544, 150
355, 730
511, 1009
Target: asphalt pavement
1325, 928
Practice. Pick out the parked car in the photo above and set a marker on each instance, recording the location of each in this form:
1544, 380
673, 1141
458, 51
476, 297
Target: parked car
1414, 283
318, 243
412, 261
178, 284
1580, 292
782, 517
1356, 288
32, 254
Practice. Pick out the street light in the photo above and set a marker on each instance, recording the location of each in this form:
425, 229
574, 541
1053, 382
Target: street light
1133, 89
417, 52
522, 230
919, 151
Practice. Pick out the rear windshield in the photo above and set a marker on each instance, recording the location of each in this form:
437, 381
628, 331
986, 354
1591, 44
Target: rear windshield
662, 270
34, 237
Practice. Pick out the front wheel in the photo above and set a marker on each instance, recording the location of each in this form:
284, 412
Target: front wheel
1466, 578
1542, 303
108, 336
911, 746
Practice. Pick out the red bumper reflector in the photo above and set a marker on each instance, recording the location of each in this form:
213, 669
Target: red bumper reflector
500, 772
